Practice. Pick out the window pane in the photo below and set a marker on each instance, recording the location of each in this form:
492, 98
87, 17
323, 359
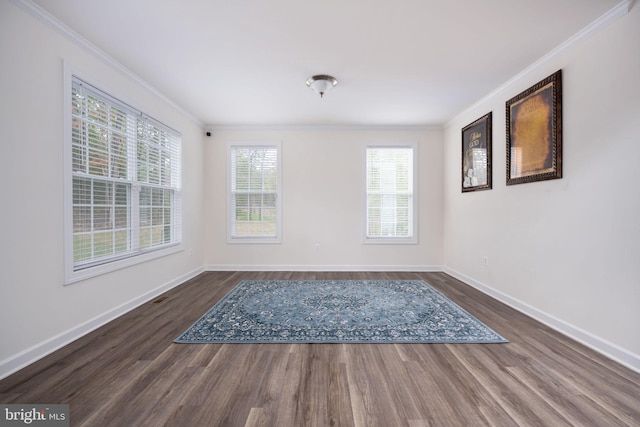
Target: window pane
145, 217
389, 192
122, 194
121, 241
121, 219
79, 145
78, 101
81, 219
81, 191
102, 218
157, 157
118, 119
269, 200
242, 200
156, 216
101, 192
102, 244
145, 196
145, 237
82, 247
98, 151
118, 156
254, 185
157, 197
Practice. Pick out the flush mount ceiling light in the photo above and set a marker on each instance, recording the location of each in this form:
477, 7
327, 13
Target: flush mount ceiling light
321, 83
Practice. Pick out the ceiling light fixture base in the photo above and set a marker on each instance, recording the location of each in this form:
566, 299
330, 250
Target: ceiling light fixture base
321, 83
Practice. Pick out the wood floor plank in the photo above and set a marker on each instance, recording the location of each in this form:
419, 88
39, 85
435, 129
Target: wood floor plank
453, 395
254, 387
288, 410
314, 387
257, 418
523, 406
338, 396
129, 372
211, 399
396, 373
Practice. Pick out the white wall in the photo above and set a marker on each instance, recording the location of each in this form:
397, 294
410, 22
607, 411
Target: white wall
38, 313
323, 202
567, 250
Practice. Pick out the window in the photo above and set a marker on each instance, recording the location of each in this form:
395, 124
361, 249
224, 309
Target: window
390, 198
124, 183
254, 193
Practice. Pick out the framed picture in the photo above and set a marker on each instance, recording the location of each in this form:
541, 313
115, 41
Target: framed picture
534, 132
476, 155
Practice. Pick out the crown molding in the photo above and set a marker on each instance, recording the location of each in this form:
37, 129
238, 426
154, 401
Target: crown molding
330, 128
594, 27
36, 11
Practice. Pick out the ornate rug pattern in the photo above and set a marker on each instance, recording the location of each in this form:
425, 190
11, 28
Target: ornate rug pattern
337, 311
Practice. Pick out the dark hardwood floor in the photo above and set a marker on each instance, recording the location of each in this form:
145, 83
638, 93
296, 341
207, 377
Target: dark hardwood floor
129, 373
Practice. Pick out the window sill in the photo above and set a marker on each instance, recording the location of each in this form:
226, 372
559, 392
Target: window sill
254, 240
89, 272
390, 241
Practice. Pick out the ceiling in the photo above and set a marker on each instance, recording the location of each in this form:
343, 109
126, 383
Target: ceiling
398, 63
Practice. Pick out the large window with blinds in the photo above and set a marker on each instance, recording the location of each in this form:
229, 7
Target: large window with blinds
390, 212
124, 183
254, 193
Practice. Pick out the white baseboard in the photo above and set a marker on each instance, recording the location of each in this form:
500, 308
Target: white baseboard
602, 346
391, 268
40, 350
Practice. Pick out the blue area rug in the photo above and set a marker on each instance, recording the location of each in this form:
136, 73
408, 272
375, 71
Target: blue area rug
337, 311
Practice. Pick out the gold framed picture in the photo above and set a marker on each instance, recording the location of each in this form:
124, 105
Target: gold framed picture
534, 132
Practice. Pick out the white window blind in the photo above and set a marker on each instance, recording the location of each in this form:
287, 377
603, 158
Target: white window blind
254, 193
390, 193
125, 180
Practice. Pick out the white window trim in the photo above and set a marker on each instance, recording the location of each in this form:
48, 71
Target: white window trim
255, 240
413, 239
70, 274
